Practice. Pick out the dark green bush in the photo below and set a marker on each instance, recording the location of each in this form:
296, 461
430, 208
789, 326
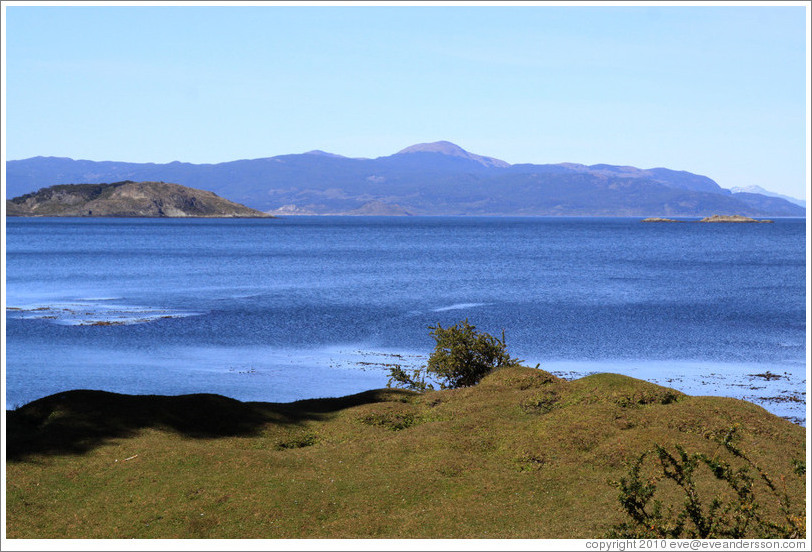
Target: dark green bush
462, 356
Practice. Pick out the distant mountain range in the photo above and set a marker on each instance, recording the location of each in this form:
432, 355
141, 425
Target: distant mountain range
125, 199
438, 178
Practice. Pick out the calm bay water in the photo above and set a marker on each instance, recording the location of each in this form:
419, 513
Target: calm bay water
302, 307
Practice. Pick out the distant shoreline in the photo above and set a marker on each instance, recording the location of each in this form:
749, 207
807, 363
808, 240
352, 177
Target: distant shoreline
333, 215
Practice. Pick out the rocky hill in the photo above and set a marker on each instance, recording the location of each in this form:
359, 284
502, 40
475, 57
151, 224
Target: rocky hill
438, 178
126, 199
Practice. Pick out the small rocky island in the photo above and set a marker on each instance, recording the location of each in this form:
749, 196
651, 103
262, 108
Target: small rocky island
731, 218
714, 218
126, 199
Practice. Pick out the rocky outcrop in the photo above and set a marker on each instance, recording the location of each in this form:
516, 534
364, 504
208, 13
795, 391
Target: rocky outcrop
714, 218
731, 218
126, 199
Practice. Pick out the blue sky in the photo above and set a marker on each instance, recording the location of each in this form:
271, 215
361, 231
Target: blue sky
719, 91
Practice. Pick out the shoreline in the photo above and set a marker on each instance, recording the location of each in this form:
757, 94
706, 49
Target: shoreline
778, 388
775, 387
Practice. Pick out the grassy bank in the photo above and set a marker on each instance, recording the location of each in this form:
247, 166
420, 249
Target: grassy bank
521, 455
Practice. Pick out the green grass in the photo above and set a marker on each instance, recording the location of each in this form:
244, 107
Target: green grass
521, 455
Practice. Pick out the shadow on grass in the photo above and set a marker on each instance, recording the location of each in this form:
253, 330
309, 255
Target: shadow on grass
75, 422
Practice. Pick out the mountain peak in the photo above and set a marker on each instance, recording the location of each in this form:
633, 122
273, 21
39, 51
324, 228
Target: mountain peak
444, 147
323, 153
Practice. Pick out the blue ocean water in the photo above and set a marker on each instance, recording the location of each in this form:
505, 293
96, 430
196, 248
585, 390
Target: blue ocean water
301, 307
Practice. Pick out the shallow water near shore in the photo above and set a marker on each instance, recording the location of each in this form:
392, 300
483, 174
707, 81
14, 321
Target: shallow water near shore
303, 307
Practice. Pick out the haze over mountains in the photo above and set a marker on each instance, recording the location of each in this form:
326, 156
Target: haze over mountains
762, 191
438, 178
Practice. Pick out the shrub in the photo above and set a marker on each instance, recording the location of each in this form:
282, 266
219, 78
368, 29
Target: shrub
398, 377
462, 356
740, 516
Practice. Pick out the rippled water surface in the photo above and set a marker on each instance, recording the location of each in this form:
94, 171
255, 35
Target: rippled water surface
300, 307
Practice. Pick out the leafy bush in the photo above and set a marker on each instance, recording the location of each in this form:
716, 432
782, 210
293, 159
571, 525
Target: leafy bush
398, 377
738, 517
462, 356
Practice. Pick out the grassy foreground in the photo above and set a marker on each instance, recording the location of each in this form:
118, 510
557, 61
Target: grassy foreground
521, 455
